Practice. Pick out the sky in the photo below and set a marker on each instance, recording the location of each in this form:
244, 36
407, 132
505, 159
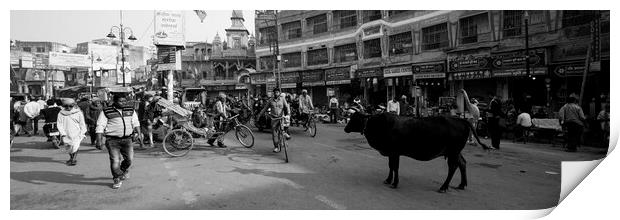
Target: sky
78, 26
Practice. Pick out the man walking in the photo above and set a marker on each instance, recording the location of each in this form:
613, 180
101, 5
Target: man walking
573, 119
92, 114
32, 110
495, 124
393, 106
333, 106
117, 123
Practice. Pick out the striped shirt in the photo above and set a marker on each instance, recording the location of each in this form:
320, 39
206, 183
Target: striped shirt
572, 113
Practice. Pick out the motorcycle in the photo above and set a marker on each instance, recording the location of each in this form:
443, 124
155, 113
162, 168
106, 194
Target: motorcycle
53, 134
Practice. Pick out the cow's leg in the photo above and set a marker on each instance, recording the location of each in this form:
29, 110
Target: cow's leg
389, 178
452, 165
395, 164
463, 170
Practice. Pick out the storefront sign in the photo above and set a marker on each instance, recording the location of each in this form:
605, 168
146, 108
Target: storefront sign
68, 60
15, 56
27, 61
290, 77
259, 78
288, 85
570, 69
367, 73
429, 68
429, 76
516, 59
479, 74
240, 87
313, 78
169, 28
337, 76
468, 63
397, 71
519, 72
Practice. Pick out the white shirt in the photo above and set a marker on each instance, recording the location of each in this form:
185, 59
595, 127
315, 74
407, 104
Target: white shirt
524, 119
393, 106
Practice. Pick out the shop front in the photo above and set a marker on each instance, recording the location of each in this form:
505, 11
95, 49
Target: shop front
472, 73
431, 78
524, 89
259, 83
290, 81
314, 82
398, 81
374, 91
566, 78
338, 81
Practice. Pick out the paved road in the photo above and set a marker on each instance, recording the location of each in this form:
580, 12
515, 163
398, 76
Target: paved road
335, 170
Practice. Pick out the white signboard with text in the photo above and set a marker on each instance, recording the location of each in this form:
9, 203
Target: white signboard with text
69, 60
169, 28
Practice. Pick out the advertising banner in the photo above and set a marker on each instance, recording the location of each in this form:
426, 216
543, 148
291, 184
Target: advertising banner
337, 76
27, 61
68, 60
105, 56
372, 72
169, 28
468, 75
429, 70
516, 59
313, 78
468, 63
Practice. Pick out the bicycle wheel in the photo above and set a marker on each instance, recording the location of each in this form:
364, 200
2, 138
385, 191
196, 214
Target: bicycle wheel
178, 143
244, 135
283, 144
312, 127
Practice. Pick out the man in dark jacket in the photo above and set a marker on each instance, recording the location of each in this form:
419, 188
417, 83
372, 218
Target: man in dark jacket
91, 114
496, 114
50, 114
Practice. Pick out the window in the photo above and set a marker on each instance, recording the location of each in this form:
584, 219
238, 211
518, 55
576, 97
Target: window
204, 74
372, 48
237, 43
396, 12
345, 53
435, 37
26, 49
576, 18
292, 59
317, 57
292, 30
469, 30
267, 35
41, 49
345, 19
267, 62
512, 23
371, 15
318, 24
604, 26
401, 44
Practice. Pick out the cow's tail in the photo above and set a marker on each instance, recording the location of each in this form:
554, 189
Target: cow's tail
473, 130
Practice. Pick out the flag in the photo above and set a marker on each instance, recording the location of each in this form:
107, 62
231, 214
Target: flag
201, 14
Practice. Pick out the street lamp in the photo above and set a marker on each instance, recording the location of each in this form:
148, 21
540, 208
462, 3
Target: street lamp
526, 17
121, 31
92, 71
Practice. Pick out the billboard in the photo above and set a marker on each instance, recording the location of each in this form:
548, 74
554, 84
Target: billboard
169, 28
105, 56
68, 60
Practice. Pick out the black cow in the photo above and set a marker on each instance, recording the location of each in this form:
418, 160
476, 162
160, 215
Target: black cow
421, 139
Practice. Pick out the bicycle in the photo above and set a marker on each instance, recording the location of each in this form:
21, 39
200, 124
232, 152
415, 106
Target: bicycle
279, 134
179, 141
311, 124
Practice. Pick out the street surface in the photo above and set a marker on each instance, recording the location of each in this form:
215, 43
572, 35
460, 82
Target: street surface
335, 170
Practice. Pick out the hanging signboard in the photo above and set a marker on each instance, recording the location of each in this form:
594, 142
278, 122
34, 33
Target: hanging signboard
68, 60
169, 28
105, 56
397, 71
367, 73
168, 58
429, 70
27, 61
538, 71
517, 59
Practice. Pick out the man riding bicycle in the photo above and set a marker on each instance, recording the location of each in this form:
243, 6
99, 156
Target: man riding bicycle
279, 108
305, 106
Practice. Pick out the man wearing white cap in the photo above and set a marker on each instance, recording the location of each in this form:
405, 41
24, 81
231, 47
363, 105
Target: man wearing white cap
72, 128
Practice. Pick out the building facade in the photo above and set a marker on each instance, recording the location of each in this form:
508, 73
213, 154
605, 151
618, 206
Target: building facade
29, 69
221, 64
377, 55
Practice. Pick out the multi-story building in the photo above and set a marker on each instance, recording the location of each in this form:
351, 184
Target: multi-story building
107, 62
29, 71
220, 65
382, 54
